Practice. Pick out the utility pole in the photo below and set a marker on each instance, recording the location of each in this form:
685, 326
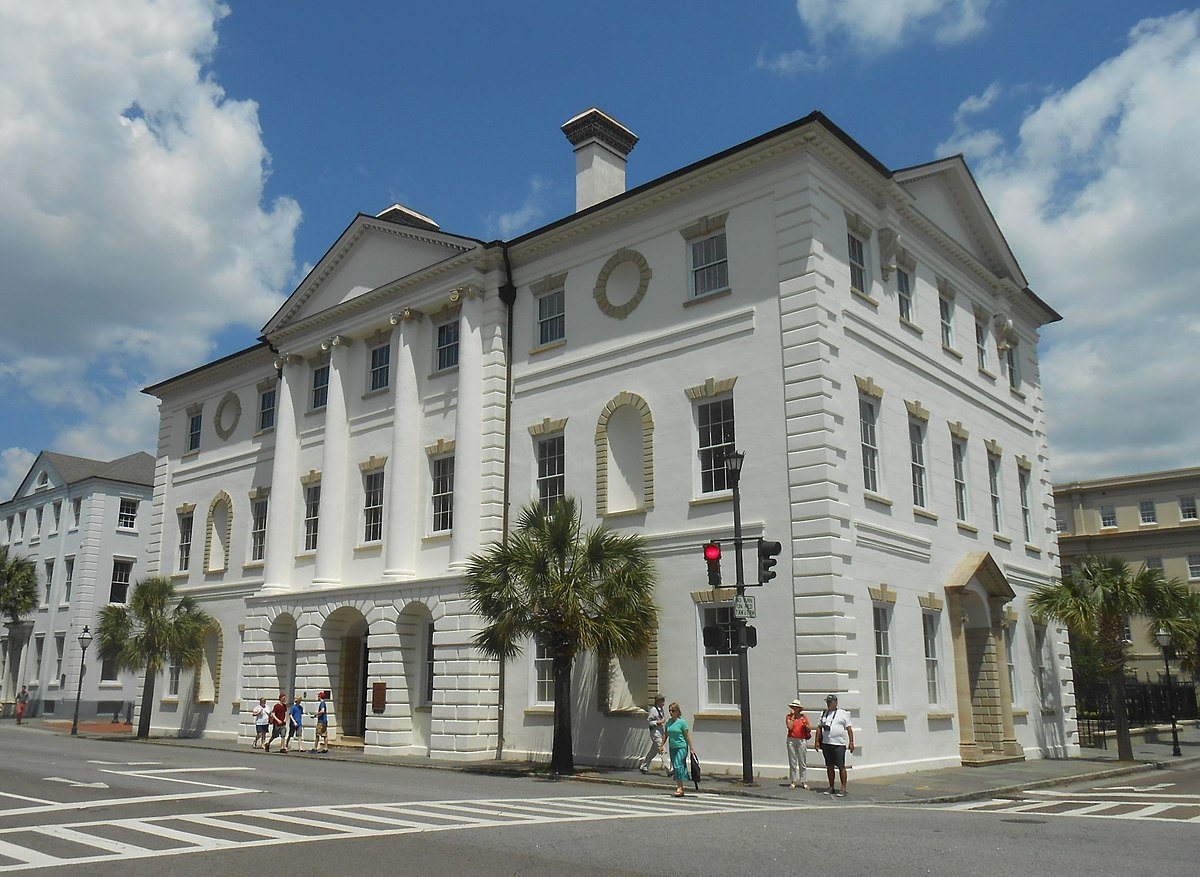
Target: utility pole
733, 468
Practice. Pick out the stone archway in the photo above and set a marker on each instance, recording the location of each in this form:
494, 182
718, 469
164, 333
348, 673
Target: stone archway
346, 657
283, 649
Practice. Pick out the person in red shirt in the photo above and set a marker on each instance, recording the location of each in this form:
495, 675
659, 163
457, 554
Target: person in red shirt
799, 733
278, 724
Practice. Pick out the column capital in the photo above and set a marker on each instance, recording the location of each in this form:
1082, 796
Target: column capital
408, 315
336, 341
288, 359
467, 290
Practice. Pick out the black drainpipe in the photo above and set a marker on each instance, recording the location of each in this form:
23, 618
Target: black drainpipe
508, 295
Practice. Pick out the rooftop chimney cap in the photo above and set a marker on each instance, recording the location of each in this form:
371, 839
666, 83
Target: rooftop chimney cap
595, 124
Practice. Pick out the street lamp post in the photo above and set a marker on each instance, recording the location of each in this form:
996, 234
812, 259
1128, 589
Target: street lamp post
85, 640
733, 469
1164, 641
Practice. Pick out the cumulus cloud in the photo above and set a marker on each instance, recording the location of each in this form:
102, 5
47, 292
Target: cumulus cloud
134, 229
14, 465
1097, 198
524, 218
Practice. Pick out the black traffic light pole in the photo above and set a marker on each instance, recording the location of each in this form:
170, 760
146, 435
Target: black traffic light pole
733, 467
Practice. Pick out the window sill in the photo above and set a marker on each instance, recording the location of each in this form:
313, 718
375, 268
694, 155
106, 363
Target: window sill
259, 433
552, 345
923, 513
1033, 549
368, 548
64, 605
128, 530
1049, 711
946, 348
311, 412
1014, 391
732, 715
967, 528
1003, 540
379, 392
624, 513
34, 540
111, 683
1019, 713
438, 537
189, 455
443, 372
539, 710
708, 296
911, 326
712, 499
1150, 526
939, 715
45, 607
890, 717
876, 498
178, 575
306, 555
990, 375
254, 564
169, 699
858, 293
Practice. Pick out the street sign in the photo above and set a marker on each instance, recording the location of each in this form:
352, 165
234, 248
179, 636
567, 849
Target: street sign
743, 607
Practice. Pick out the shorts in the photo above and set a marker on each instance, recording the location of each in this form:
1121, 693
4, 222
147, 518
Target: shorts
261, 729
835, 756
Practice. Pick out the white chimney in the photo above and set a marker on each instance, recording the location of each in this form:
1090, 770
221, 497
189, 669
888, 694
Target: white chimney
601, 145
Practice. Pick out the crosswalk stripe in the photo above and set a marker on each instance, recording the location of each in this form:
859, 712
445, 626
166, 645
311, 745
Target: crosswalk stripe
218, 821
293, 819
26, 855
90, 840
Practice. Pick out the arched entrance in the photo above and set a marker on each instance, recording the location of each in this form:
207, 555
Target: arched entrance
415, 627
283, 647
347, 657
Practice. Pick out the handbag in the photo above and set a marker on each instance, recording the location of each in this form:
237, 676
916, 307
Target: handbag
695, 765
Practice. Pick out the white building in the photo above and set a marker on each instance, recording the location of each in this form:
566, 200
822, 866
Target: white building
84, 523
864, 335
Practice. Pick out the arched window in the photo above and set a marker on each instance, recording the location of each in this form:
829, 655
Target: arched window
220, 531
208, 674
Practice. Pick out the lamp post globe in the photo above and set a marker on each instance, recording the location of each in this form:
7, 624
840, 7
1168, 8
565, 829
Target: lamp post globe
85, 640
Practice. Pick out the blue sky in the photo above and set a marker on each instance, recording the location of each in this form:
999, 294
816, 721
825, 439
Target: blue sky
171, 169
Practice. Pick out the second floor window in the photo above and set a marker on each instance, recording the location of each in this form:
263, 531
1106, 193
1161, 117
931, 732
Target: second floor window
551, 319
195, 423
185, 542
710, 265
446, 350
958, 451
981, 355
127, 514
551, 470
266, 410
1148, 512
121, 574
320, 387
868, 415
994, 490
312, 514
1108, 516
916, 443
857, 257
946, 317
258, 529
1187, 508
68, 579
381, 367
904, 296
716, 440
443, 494
883, 655
373, 506
1026, 508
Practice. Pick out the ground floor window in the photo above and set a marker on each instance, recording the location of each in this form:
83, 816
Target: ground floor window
721, 658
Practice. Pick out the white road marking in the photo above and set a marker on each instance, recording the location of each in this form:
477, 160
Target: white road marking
1154, 788
122, 763
25, 798
1086, 807
76, 784
1109, 793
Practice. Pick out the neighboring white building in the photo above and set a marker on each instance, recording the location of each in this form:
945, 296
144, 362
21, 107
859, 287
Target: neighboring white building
864, 335
84, 523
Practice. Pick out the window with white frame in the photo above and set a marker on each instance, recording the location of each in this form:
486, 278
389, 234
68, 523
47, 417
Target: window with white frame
37, 524
1061, 525
76, 511
994, 490
68, 579
868, 421
127, 514
185, 541
56, 513
49, 566
373, 506
551, 470
429, 665
933, 670
60, 646
266, 409
1147, 511
108, 670
122, 572
320, 387
543, 675
916, 446
443, 494
1154, 563
1044, 674
379, 373
174, 671
1193, 566
1187, 508
39, 646
1108, 516
981, 351
258, 529
1026, 509
446, 346
946, 318
710, 265
882, 618
958, 457
1012, 364
856, 254
904, 295
1010, 647
715, 442
551, 317
195, 424
721, 662
312, 515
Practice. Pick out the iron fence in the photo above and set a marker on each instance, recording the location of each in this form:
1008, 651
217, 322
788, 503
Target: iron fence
1146, 703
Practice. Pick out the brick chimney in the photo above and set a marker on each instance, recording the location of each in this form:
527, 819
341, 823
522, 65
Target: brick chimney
601, 146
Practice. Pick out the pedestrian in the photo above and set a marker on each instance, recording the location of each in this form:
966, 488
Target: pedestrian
322, 742
262, 722
799, 732
295, 725
679, 739
278, 722
22, 702
656, 719
834, 735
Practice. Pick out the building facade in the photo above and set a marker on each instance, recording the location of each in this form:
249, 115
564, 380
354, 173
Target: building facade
85, 525
1146, 520
864, 335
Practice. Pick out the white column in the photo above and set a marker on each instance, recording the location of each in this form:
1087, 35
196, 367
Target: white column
331, 526
404, 503
468, 429
280, 550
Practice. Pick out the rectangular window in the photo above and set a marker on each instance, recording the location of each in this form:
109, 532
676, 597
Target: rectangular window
174, 671
1187, 508
1045, 677
552, 317
49, 581
1026, 510
721, 663
56, 512
1010, 646
60, 645
946, 316
1194, 566
108, 670
10, 524
868, 414
981, 353
373, 507
312, 513
39, 647
1108, 516
381, 368
933, 682
1010, 361
1127, 629
427, 687
1154, 563
266, 410
127, 515
20, 526
446, 351
710, 265
958, 454
551, 470
121, 573
68, 579
443, 494
1148, 512
994, 489
543, 676
715, 442
1067, 570
904, 296
258, 529
185, 542
882, 616
320, 387
195, 422
1061, 525
37, 523
857, 257
916, 445
76, 511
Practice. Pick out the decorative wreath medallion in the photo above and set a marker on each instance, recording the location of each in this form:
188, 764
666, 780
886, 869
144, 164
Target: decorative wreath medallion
627, 287
229, 412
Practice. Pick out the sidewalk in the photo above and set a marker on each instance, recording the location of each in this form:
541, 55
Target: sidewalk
1151, 750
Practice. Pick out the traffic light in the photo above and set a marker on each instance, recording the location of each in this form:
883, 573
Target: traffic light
712, 557
716, 639
748, 636
766, 560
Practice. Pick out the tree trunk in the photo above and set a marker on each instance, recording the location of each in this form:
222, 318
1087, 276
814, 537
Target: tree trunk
562, 757
147, 704
1116, 694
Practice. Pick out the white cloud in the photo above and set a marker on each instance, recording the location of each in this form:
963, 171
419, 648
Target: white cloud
1098, 199
14, 465
524, 218
133, 229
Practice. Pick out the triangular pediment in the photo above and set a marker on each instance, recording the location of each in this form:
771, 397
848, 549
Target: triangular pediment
372, 251
982, 567
945, 193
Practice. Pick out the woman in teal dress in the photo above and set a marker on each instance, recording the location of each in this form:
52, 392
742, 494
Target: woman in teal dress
679, 738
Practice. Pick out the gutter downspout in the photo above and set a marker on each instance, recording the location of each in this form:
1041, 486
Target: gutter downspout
508, 295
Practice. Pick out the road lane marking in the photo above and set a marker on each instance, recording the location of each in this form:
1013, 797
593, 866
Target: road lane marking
75, 784
25, 798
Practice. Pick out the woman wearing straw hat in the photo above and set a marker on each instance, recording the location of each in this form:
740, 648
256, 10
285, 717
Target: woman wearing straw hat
799, 732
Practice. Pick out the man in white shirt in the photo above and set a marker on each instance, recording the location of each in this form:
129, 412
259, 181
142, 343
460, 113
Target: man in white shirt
656, 720
834, 735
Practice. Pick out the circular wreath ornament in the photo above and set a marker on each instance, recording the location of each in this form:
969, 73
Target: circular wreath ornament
229, 412
622, 283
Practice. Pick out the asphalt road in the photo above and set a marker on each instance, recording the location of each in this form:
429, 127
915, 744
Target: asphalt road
90, 807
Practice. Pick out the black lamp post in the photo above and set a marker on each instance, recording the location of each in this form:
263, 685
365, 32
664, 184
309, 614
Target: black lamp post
733, 469
1164, 641
85, 640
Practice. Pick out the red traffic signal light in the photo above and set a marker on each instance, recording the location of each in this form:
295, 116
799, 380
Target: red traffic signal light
712, 551
712, 557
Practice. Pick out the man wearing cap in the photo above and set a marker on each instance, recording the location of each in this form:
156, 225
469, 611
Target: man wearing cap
799, 733
834, 735
278, 721
656, 719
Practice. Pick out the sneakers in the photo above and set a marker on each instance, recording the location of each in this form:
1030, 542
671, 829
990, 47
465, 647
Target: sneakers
828, 791
644, 769
840, 793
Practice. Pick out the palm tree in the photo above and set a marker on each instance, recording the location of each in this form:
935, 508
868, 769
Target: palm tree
155, 627
18, 585
1094, 602
568, 590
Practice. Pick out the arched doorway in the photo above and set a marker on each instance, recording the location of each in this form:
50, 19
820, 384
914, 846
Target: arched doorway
283, 647
416, 630
347, 657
